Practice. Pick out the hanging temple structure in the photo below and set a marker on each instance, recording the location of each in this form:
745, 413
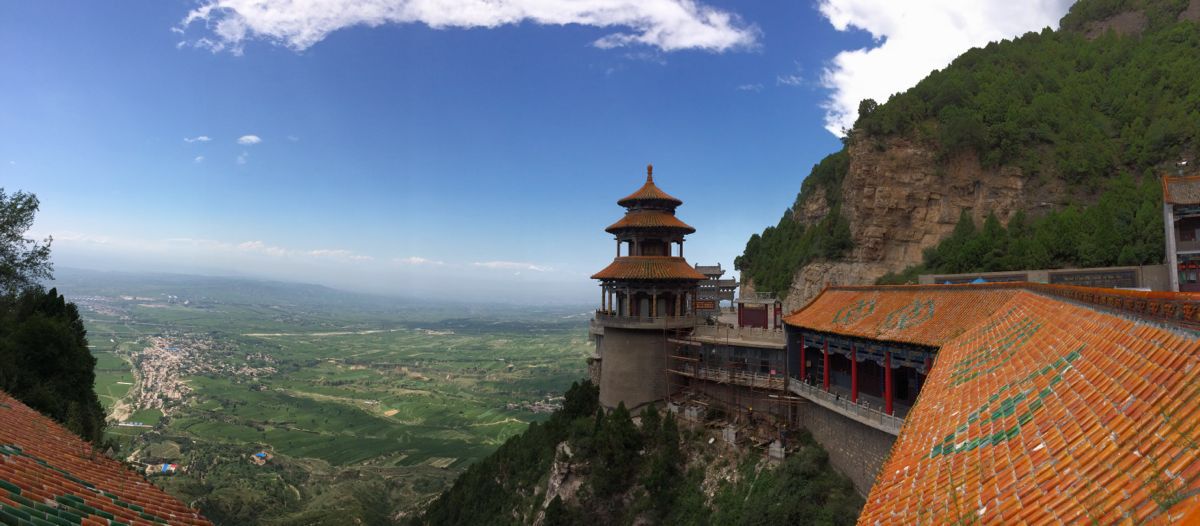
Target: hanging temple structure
992, 403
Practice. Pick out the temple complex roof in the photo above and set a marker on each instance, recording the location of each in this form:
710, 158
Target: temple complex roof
1181, 190
649, 192
649, 268
50, 474
650, 219
1046, 404
917, 315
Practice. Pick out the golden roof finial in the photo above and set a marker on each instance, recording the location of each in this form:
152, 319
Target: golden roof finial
649, 173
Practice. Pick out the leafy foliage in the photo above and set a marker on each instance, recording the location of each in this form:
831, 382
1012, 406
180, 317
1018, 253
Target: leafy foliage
1158, 12
45, 361
803, 490
1125, 227
633, 475
44, 357
23, 262
489, 491
1083, 108
1056, 105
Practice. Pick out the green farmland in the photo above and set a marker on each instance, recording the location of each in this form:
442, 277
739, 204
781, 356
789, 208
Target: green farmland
345, 396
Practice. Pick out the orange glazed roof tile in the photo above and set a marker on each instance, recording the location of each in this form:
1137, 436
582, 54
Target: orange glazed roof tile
649, 268
50, 475
649, 192
919, 315
650, 219
1039, 408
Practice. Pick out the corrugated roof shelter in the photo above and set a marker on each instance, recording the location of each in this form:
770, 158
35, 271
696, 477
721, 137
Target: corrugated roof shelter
1046, 404
48, 475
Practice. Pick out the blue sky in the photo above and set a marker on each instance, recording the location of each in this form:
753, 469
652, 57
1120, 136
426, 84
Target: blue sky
429, 152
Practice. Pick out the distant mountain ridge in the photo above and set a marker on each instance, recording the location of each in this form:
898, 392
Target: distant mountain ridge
1031, 125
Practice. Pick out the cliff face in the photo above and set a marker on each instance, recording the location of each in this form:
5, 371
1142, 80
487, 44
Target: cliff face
1028, 124
901, 199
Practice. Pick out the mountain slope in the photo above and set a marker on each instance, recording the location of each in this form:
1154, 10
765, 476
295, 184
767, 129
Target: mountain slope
1030, 125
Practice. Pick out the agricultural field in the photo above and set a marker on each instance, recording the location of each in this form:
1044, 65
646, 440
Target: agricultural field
343, 394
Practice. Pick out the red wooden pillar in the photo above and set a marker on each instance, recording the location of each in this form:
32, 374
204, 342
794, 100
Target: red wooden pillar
887, 382
803, 368
853, 373
826, 364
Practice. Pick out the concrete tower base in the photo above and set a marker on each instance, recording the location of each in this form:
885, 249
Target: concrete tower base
633, 367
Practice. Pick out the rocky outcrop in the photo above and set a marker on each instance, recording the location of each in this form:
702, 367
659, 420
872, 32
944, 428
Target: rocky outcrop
900, 199
1127, 23
1192, 12
564, 481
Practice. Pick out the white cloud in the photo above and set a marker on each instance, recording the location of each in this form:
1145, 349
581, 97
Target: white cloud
750, 87
417, 260
793, 80
668, 25
198, 138
513, 265
198, 159
249, 139
914, 38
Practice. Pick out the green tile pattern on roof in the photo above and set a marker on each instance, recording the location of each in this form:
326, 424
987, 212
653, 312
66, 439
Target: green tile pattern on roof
50, 476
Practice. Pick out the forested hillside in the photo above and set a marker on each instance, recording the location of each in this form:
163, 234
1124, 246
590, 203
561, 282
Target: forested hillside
586, 466
1112, 95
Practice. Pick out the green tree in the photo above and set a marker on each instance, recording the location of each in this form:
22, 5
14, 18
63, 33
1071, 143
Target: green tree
23, 262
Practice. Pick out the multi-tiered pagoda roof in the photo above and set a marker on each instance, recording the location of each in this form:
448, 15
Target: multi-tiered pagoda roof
649, 219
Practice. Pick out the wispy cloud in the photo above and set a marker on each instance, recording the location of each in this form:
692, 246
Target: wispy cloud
248, 140
513, 265
242, 157
198, 138
793, 80
293, 138
417, 260
914, 38
198, 159
668, 25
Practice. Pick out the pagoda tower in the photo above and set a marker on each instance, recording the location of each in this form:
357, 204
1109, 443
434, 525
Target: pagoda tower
647, 295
